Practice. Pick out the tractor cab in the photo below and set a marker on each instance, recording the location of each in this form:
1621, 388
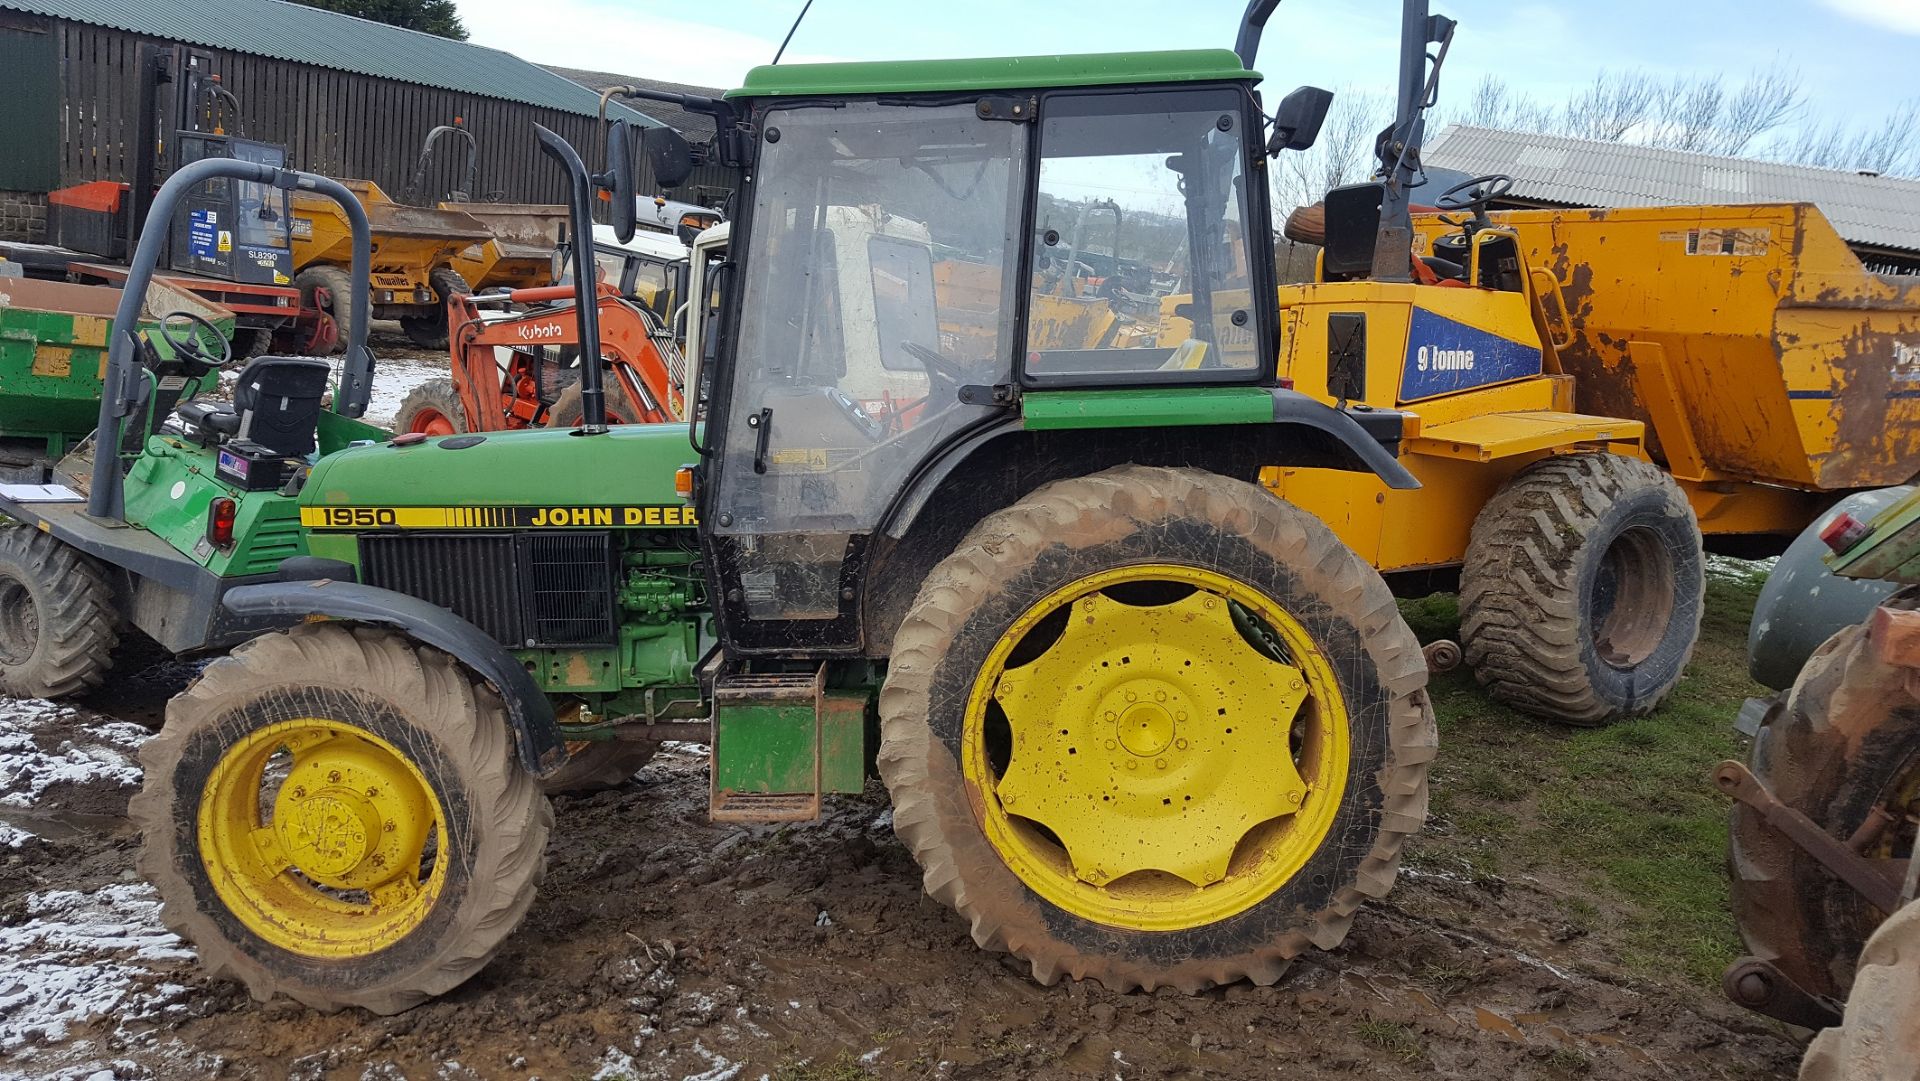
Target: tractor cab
908, 266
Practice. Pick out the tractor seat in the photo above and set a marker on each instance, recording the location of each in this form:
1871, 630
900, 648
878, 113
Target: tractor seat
276, 404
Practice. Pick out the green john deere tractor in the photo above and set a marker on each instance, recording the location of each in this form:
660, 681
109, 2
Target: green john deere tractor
1140, 721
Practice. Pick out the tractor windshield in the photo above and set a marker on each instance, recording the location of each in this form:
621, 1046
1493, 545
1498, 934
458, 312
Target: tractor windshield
883, 241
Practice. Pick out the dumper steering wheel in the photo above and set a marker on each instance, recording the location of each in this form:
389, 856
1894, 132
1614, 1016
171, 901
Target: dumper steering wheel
1475, 194
190, 346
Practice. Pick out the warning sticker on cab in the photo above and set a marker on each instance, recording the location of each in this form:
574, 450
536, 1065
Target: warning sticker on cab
605, 517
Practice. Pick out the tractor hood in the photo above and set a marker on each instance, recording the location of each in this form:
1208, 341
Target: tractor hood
505, 480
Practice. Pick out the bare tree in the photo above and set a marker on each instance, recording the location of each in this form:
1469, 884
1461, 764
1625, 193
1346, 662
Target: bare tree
1342, 155
1768, 99
1611, 106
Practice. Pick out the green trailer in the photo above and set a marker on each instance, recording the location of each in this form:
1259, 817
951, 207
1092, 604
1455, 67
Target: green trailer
53, 354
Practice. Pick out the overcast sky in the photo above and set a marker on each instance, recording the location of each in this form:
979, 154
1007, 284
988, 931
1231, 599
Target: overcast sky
1857, 56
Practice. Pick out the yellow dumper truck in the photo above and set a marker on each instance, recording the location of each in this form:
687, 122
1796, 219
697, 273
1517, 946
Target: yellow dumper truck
1584, 394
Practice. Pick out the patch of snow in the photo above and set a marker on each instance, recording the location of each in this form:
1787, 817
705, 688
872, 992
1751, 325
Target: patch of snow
81, 956
872, 1056
722, 1069
96, 752
393, 379
616, 1065
13, 836
1742, 569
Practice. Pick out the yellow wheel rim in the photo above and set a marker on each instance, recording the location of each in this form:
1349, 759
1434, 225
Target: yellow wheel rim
322, 838
1156, 747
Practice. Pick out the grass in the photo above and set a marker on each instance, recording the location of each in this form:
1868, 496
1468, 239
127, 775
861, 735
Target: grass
1626, 813
1391, 1037
843, 1067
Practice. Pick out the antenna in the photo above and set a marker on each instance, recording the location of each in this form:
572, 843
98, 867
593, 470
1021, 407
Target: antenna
804, 8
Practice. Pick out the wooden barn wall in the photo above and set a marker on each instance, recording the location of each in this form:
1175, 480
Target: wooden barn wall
332, 122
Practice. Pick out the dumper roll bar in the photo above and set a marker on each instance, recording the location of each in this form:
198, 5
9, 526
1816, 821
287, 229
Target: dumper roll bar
124, 389
417, 187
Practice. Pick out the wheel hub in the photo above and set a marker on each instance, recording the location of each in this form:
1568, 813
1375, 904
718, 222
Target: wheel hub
1151, 738
1146, 729
342, 865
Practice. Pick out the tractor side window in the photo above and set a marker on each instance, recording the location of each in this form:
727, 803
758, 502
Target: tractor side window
877, 281
1139, 269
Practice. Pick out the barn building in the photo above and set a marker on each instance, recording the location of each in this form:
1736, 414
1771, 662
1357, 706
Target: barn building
347, 97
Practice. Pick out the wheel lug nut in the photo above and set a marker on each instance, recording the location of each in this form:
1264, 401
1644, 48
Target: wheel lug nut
299, 792
1159, 763
1160, 696
1131, 696
1111, 745
1179, 714
1180, 744
1131, 764
334, 776
372, 791
1112, 716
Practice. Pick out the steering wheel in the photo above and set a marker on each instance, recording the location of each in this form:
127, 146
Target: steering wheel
190, 346
1475, 194
935, 364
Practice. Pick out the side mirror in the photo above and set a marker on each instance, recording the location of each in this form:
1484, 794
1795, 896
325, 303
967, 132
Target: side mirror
670, 156
1296, 123
626, 213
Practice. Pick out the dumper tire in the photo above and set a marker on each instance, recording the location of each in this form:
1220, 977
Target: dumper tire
429, 331
336, 306
1102, 529
432, 408
1582, 590
1845, 739
598, 766
352, 727
58, 625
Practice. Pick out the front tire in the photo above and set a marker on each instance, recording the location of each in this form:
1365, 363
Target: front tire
597, 767
432, 408
327, 290
335, 814
1580, 597
58, 626
1155, 728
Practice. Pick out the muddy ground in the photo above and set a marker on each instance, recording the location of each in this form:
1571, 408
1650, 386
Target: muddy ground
666, 947
663, 946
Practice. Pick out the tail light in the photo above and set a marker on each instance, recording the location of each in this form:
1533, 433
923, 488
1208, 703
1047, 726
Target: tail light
1844, 532
220, 515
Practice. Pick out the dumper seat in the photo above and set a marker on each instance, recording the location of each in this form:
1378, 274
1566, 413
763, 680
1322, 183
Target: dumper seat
276, 404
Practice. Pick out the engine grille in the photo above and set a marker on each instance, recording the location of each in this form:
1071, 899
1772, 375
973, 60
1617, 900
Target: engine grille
528, 589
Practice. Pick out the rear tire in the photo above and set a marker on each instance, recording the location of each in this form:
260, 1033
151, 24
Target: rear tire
58, 625
328, 290
1878, 1040
430, 331
1152, 547
1580, 597
433, 408
283, 777
599, 766
1846, 740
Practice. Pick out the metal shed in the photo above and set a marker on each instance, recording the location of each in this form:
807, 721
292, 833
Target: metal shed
348, 97
1878, 216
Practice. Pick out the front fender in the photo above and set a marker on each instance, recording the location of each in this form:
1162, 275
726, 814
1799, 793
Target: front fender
537, 734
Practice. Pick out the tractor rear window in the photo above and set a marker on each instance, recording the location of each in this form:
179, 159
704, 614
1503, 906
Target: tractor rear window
1139, 269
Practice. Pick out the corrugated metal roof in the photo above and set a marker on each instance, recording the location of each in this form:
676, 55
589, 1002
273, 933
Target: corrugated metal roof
1875, 211
287, 31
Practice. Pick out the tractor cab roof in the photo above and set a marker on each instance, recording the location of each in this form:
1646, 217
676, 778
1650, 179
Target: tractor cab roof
992, 73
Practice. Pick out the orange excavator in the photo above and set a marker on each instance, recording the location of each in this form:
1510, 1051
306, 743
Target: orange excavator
520, 370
